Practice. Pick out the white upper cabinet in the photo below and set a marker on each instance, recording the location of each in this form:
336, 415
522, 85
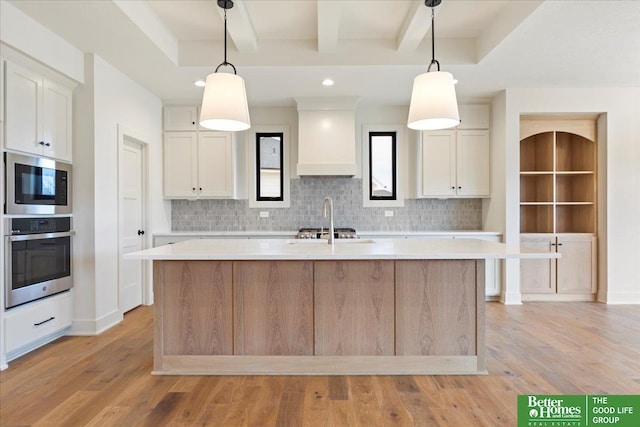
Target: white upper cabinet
216, 160
439, 163
455, 163
474, 116
199, 165
179, 118
473, 165
180, 165
38, 114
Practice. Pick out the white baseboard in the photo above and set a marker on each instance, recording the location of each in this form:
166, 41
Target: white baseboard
623, 298
95, 326
513, 298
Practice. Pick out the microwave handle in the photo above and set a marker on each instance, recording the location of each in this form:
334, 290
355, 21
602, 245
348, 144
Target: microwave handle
40, 236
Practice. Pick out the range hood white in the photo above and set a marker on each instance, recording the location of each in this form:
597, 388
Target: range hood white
327, 136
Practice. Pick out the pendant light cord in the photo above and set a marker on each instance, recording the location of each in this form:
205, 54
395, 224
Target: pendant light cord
225, 63
433, 42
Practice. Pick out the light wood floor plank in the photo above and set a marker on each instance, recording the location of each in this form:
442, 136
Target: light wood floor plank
541, 348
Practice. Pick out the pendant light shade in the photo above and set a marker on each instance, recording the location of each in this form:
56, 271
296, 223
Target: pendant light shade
433, 102
224, 101
433, 99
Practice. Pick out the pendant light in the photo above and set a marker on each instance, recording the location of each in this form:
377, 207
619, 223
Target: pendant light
433, 98
224, 102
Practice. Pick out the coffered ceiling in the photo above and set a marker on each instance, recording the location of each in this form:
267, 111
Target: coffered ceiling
371, 48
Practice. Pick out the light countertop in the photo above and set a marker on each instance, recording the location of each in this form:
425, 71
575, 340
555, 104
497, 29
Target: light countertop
292, 233
357, 249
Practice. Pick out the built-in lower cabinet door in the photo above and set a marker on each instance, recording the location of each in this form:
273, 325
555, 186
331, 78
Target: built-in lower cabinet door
538, 275
577, 264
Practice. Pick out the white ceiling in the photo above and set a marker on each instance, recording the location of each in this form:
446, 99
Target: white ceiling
371, 48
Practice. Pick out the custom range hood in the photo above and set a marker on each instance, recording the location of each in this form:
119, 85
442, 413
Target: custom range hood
326, 136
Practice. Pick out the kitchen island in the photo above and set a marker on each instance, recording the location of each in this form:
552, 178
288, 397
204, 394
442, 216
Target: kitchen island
278, 306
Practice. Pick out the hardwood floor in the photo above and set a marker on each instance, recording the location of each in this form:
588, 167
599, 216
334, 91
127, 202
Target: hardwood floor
541, 348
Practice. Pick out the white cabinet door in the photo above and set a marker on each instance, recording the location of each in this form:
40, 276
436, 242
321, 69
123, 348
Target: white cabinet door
474, 116
438, 163
38, 114
456, 163
178, 118
215, 165
24, 109
180, 165
473, 166
56, 121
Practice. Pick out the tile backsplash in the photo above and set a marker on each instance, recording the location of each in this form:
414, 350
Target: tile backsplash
307, 195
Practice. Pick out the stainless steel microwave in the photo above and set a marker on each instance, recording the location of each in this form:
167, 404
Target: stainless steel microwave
36, 185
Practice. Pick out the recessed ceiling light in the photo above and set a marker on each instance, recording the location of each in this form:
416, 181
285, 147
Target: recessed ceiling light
199, 83
327, 82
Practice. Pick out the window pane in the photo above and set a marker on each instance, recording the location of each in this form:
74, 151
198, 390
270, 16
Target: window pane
269, 176
382, 165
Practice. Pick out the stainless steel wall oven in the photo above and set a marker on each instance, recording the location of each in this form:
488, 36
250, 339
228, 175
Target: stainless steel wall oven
38, 258
36, 185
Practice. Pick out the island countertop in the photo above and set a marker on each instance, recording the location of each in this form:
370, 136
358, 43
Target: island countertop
356, 249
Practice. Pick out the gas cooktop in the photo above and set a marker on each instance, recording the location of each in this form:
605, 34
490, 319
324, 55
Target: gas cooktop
319, 233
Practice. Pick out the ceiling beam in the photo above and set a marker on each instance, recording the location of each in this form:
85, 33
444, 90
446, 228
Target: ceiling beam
414, 28
240, 27
328, 25
148, 22
510, 18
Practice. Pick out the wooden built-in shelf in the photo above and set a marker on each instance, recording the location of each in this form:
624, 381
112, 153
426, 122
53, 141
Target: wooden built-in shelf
557, 179
558, 206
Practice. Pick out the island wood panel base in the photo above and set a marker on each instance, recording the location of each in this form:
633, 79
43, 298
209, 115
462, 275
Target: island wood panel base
435, 301
436, 307
273, 307
193, 307
354, 308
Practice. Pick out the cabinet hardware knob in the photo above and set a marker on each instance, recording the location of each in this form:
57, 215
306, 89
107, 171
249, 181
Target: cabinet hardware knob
552, 244
41, 142
140, 232
559, 244
200, 188
193, 188
453, 187
193, 123
47, 144
44, 321
459, 188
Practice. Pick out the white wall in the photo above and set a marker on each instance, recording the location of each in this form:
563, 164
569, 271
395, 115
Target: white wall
619, 234
116, 101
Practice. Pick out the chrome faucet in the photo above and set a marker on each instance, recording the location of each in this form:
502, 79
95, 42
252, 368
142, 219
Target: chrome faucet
328, 201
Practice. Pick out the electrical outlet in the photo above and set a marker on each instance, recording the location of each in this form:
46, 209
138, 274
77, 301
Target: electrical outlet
264, 214
388, 213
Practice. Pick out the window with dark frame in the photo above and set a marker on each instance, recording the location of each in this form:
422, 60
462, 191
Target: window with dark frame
270, 166
382, 166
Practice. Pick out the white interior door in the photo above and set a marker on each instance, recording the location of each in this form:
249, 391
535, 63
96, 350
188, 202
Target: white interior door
131, 224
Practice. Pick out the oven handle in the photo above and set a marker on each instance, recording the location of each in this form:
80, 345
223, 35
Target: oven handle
40, 236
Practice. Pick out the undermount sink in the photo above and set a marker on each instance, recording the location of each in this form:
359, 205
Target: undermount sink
324, 241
